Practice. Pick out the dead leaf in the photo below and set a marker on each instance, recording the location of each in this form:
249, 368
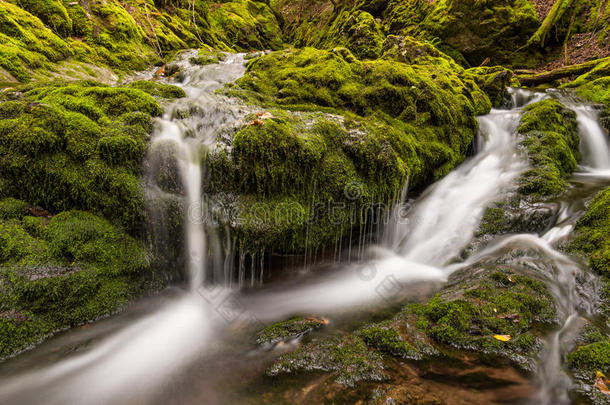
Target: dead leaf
503, 338
601, 383
265, 115
161, 71
256, 122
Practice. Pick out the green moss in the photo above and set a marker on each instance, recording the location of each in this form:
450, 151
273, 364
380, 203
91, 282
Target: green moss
356, 30
592, 233
347, 357
83, 144
11, 208
386, 122
500, 304
207, 56
246, 25
158, 89
591, 358
494, 29
290, 329
550, 136
493, 81
387, 340
74, 269
51, 12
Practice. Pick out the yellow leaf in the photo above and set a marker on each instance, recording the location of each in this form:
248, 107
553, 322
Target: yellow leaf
601, 383
502, 338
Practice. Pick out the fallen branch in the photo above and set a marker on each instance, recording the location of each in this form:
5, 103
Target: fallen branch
560, 73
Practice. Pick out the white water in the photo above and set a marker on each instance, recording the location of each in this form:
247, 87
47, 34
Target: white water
594, 142
450, 210
439, 226
190, 138
133, 364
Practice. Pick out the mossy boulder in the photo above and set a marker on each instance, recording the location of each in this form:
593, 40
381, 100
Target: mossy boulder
493, 81
549, 134
62, 272
387, 340
157, 89
383, 122
47, 38
495, 29
592, 232
207, 56
52, 13
78, 145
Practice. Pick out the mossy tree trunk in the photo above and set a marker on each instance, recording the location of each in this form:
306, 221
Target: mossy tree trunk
552, 18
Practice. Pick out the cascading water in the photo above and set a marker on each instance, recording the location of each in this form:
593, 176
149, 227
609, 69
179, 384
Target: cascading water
594, 140
126, 366
447, 214
435, 230
207, 114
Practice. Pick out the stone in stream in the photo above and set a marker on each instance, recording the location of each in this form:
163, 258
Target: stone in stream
290, 329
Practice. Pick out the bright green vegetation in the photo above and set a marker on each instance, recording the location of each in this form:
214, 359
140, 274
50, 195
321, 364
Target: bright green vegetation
159, 90
591, 358
207, 56
469, 31
78, 145
35, 35
62, 272
493, 81
290, 329
245, 25
503, 304
592, 233
66, 146
348, 358
464, 316
550, 136
385, 122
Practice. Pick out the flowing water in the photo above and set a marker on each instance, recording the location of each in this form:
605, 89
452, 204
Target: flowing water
142, 356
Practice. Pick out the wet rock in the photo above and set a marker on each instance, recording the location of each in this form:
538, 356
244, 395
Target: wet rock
348, 358
293, 328
493, 81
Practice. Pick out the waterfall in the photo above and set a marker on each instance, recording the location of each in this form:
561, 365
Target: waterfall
435, 230
189, 127
594, 143
446, 216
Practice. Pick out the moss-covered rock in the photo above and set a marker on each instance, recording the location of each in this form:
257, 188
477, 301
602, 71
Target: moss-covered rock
78, 145
348, 359
469, 31
35, 36
592, 233
55, 274
550, 135
292, 328
493, 81
246, 25
388, 340
156, 89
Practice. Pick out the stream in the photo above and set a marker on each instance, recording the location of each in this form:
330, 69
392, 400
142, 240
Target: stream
194, 345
